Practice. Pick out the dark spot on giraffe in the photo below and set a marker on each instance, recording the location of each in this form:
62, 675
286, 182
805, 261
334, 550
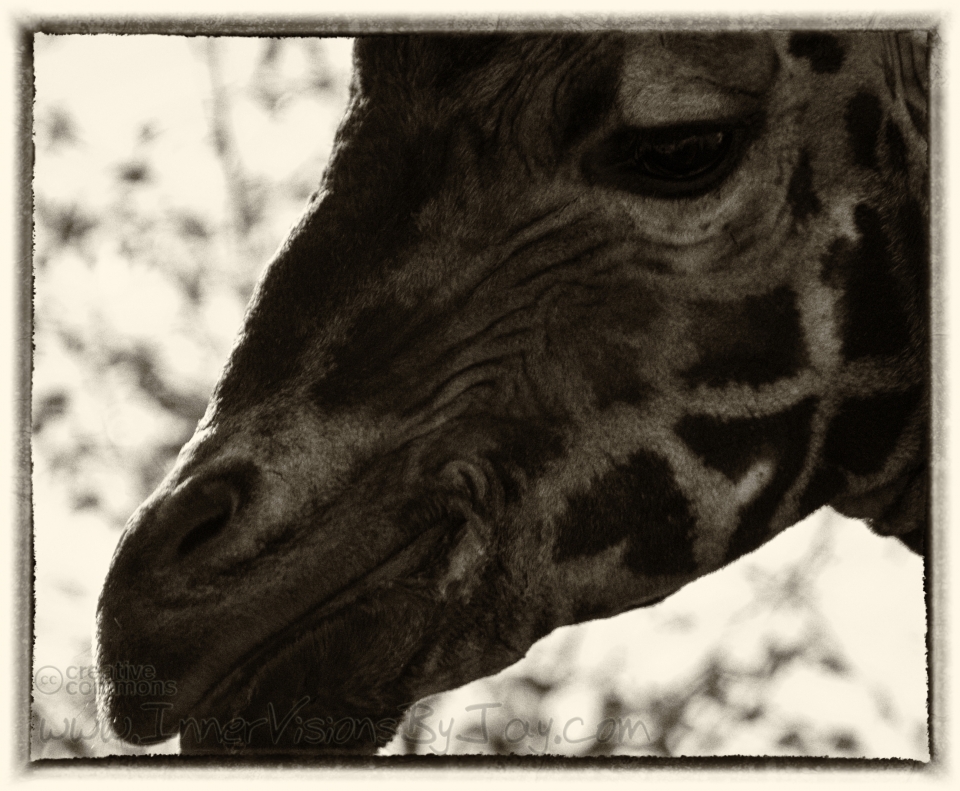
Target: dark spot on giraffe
378, 348
863, 118
896, 147
824, 51
522, 453
826, 483
755, 341
800, 193
637, 502
611, 371
864, 431
875, 320
597, 334
787, 437
730, 446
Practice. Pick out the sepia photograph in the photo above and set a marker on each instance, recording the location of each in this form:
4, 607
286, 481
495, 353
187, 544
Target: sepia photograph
431, 392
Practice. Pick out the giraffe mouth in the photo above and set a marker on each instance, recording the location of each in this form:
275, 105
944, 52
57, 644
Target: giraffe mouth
304, 689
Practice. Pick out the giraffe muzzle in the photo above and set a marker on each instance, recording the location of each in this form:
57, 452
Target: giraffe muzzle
233, 626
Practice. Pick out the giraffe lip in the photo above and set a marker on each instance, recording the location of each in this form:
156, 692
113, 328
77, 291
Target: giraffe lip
228, 698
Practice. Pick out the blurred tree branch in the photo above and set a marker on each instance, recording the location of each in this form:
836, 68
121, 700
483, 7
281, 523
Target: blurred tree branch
242, 210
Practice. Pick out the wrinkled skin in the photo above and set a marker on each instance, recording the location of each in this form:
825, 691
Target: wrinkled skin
489, 313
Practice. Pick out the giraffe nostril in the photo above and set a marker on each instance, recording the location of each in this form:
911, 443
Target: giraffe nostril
203, 512
203, 532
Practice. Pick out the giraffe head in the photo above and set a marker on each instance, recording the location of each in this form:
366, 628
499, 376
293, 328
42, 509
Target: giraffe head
572, 321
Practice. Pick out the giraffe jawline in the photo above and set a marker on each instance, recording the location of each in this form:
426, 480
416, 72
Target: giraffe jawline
266, 713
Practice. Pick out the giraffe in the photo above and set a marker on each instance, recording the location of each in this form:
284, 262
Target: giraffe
572, 321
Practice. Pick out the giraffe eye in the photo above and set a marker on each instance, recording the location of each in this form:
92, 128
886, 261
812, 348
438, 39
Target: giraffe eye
671, 162
683, 159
